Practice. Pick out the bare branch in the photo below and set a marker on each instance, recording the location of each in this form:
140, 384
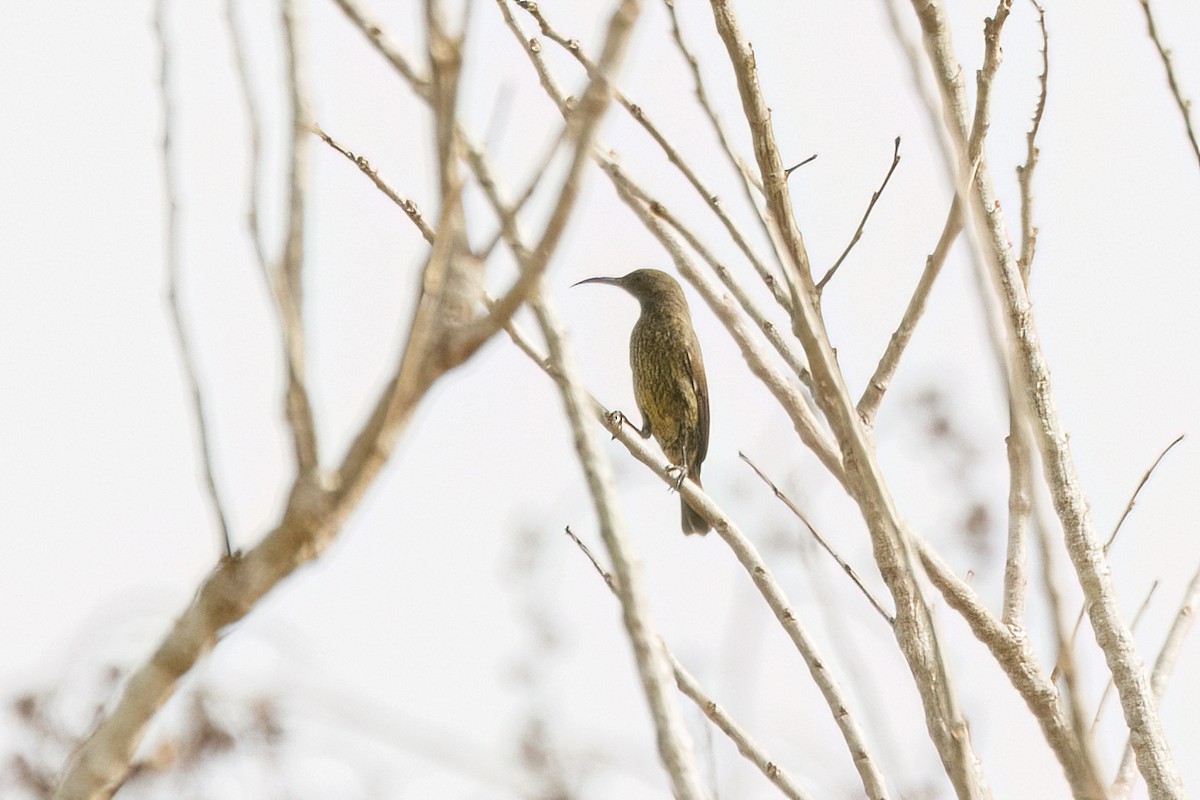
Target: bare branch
846, 568
688, 684
1154, 755
173, 264
862, 224
407, 206
1112, 537
1185, 107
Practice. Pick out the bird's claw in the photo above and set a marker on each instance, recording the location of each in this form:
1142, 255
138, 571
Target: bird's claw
676, 473
616, 419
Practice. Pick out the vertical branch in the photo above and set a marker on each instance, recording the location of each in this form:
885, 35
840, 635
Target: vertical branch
171, 235
289, 292
1020, 504
1112, 634
654, 669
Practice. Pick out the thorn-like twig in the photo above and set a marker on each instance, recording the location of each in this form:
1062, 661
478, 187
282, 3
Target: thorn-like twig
788, 172
862, 224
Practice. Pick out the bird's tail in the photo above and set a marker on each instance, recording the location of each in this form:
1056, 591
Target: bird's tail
692, 521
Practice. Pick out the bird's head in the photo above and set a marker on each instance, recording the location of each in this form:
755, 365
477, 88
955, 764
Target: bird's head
649, 286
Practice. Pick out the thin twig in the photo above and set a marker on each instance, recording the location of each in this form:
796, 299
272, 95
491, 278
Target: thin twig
858, 232
1137, 618
1138, 490
1164, 665
1185, 107
407, 206
688, 684
386, 47
849, 570
1025, 173
174, 266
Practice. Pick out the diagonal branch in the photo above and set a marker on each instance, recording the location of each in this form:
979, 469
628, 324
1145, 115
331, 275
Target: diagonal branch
858, 232
406, 205
1185, 108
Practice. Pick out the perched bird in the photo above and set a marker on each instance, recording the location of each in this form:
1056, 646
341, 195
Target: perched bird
668, 376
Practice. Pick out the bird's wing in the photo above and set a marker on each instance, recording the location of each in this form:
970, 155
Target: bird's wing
700, 387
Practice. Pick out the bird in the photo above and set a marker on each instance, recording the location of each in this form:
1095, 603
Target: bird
669, 384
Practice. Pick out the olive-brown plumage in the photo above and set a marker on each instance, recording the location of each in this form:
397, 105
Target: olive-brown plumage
669, 385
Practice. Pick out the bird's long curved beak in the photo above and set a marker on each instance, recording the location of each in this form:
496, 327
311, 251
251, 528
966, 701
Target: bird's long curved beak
610, 281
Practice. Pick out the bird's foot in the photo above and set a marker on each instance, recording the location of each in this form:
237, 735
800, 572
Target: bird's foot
676, 473
616, 419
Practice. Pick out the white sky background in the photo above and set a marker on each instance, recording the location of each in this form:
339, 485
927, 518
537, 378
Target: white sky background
409, 635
